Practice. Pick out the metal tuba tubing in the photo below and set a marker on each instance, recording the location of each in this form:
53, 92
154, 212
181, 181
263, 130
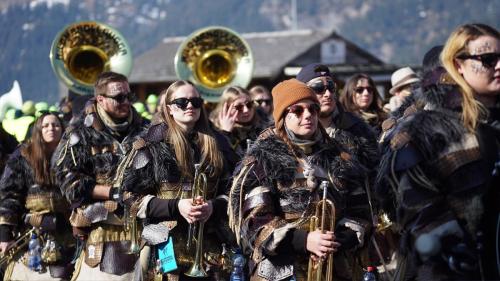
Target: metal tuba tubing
323, 208
199, 189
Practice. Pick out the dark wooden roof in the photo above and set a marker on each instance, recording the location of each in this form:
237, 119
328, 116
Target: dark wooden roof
272, 51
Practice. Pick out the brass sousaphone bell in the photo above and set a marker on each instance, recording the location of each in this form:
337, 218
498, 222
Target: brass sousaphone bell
214, 58
83, 50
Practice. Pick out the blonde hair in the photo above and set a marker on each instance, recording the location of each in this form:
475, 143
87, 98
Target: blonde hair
210, 153
455, 46
229, 95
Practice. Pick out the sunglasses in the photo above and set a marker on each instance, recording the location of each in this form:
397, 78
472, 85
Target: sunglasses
298, 110
182, 103
320, 88
488, 60
120, 98
261, 101
360, 90
248, 104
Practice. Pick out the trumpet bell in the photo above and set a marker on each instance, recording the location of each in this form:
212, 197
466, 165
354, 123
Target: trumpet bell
214, 58
83, 50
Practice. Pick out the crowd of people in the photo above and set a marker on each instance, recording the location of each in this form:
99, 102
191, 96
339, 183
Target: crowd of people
304, 181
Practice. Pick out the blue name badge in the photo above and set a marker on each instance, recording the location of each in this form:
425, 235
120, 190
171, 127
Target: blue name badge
166, 256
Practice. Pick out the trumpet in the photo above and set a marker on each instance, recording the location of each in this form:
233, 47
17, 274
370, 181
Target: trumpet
16, 247
199, 189
323, 208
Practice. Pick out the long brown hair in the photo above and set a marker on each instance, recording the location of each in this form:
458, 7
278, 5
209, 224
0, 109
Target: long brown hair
454, 47
37, 154
210, 153
347, 97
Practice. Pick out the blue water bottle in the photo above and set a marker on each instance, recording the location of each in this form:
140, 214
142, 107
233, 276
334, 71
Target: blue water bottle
370, 274
238, 272
34, 253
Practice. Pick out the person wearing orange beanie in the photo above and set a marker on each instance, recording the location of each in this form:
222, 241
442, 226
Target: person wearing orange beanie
281, 179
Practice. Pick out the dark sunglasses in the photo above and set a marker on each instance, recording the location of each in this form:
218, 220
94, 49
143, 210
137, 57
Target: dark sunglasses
240, 106
320, 88
488, 60
360, 90
261, 101
120, 98
182, 103
298, 109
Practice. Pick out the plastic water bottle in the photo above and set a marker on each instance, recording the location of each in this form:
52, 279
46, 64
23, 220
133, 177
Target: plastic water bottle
238, 272
370, 274
34, 254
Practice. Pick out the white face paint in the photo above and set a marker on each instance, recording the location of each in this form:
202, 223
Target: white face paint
484, 80
112, 107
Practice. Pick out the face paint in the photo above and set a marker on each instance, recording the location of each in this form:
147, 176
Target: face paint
117, 88
485, 48
477, 67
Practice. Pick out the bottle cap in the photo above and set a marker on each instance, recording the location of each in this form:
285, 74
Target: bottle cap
370, 268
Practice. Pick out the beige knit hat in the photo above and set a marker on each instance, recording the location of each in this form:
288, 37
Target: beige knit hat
287, 93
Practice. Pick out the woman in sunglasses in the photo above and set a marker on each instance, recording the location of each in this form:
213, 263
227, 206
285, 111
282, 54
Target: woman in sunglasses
235, 116
282, 178
29, 199
360, 96
161, 177
439, 174
472, 58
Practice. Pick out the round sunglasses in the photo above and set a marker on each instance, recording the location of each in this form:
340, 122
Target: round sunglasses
248, 105
182, 103
298, 109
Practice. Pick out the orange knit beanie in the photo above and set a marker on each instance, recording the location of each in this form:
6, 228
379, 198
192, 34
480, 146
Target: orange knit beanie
287, 93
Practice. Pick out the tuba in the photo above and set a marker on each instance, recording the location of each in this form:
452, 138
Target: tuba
324, 209
214, 58
83, 50
199, 189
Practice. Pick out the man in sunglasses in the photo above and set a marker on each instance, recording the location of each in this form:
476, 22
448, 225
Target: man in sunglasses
343, 126
86, 164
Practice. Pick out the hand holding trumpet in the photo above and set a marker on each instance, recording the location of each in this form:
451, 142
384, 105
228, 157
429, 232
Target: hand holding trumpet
195, 210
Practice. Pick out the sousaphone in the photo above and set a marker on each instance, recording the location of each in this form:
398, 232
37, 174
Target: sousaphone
83, 50
214, 58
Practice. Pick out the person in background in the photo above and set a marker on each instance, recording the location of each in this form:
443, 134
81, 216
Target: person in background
278, 184
445, 208
402, 81
152, 103
235, 116
8, 144
30, 199
85, 165
162, 178
360, 96
263, 100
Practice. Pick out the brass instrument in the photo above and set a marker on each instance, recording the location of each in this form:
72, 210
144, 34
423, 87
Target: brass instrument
83, 50
199, 189
16, 247
323, 208
131, 227
214, 58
